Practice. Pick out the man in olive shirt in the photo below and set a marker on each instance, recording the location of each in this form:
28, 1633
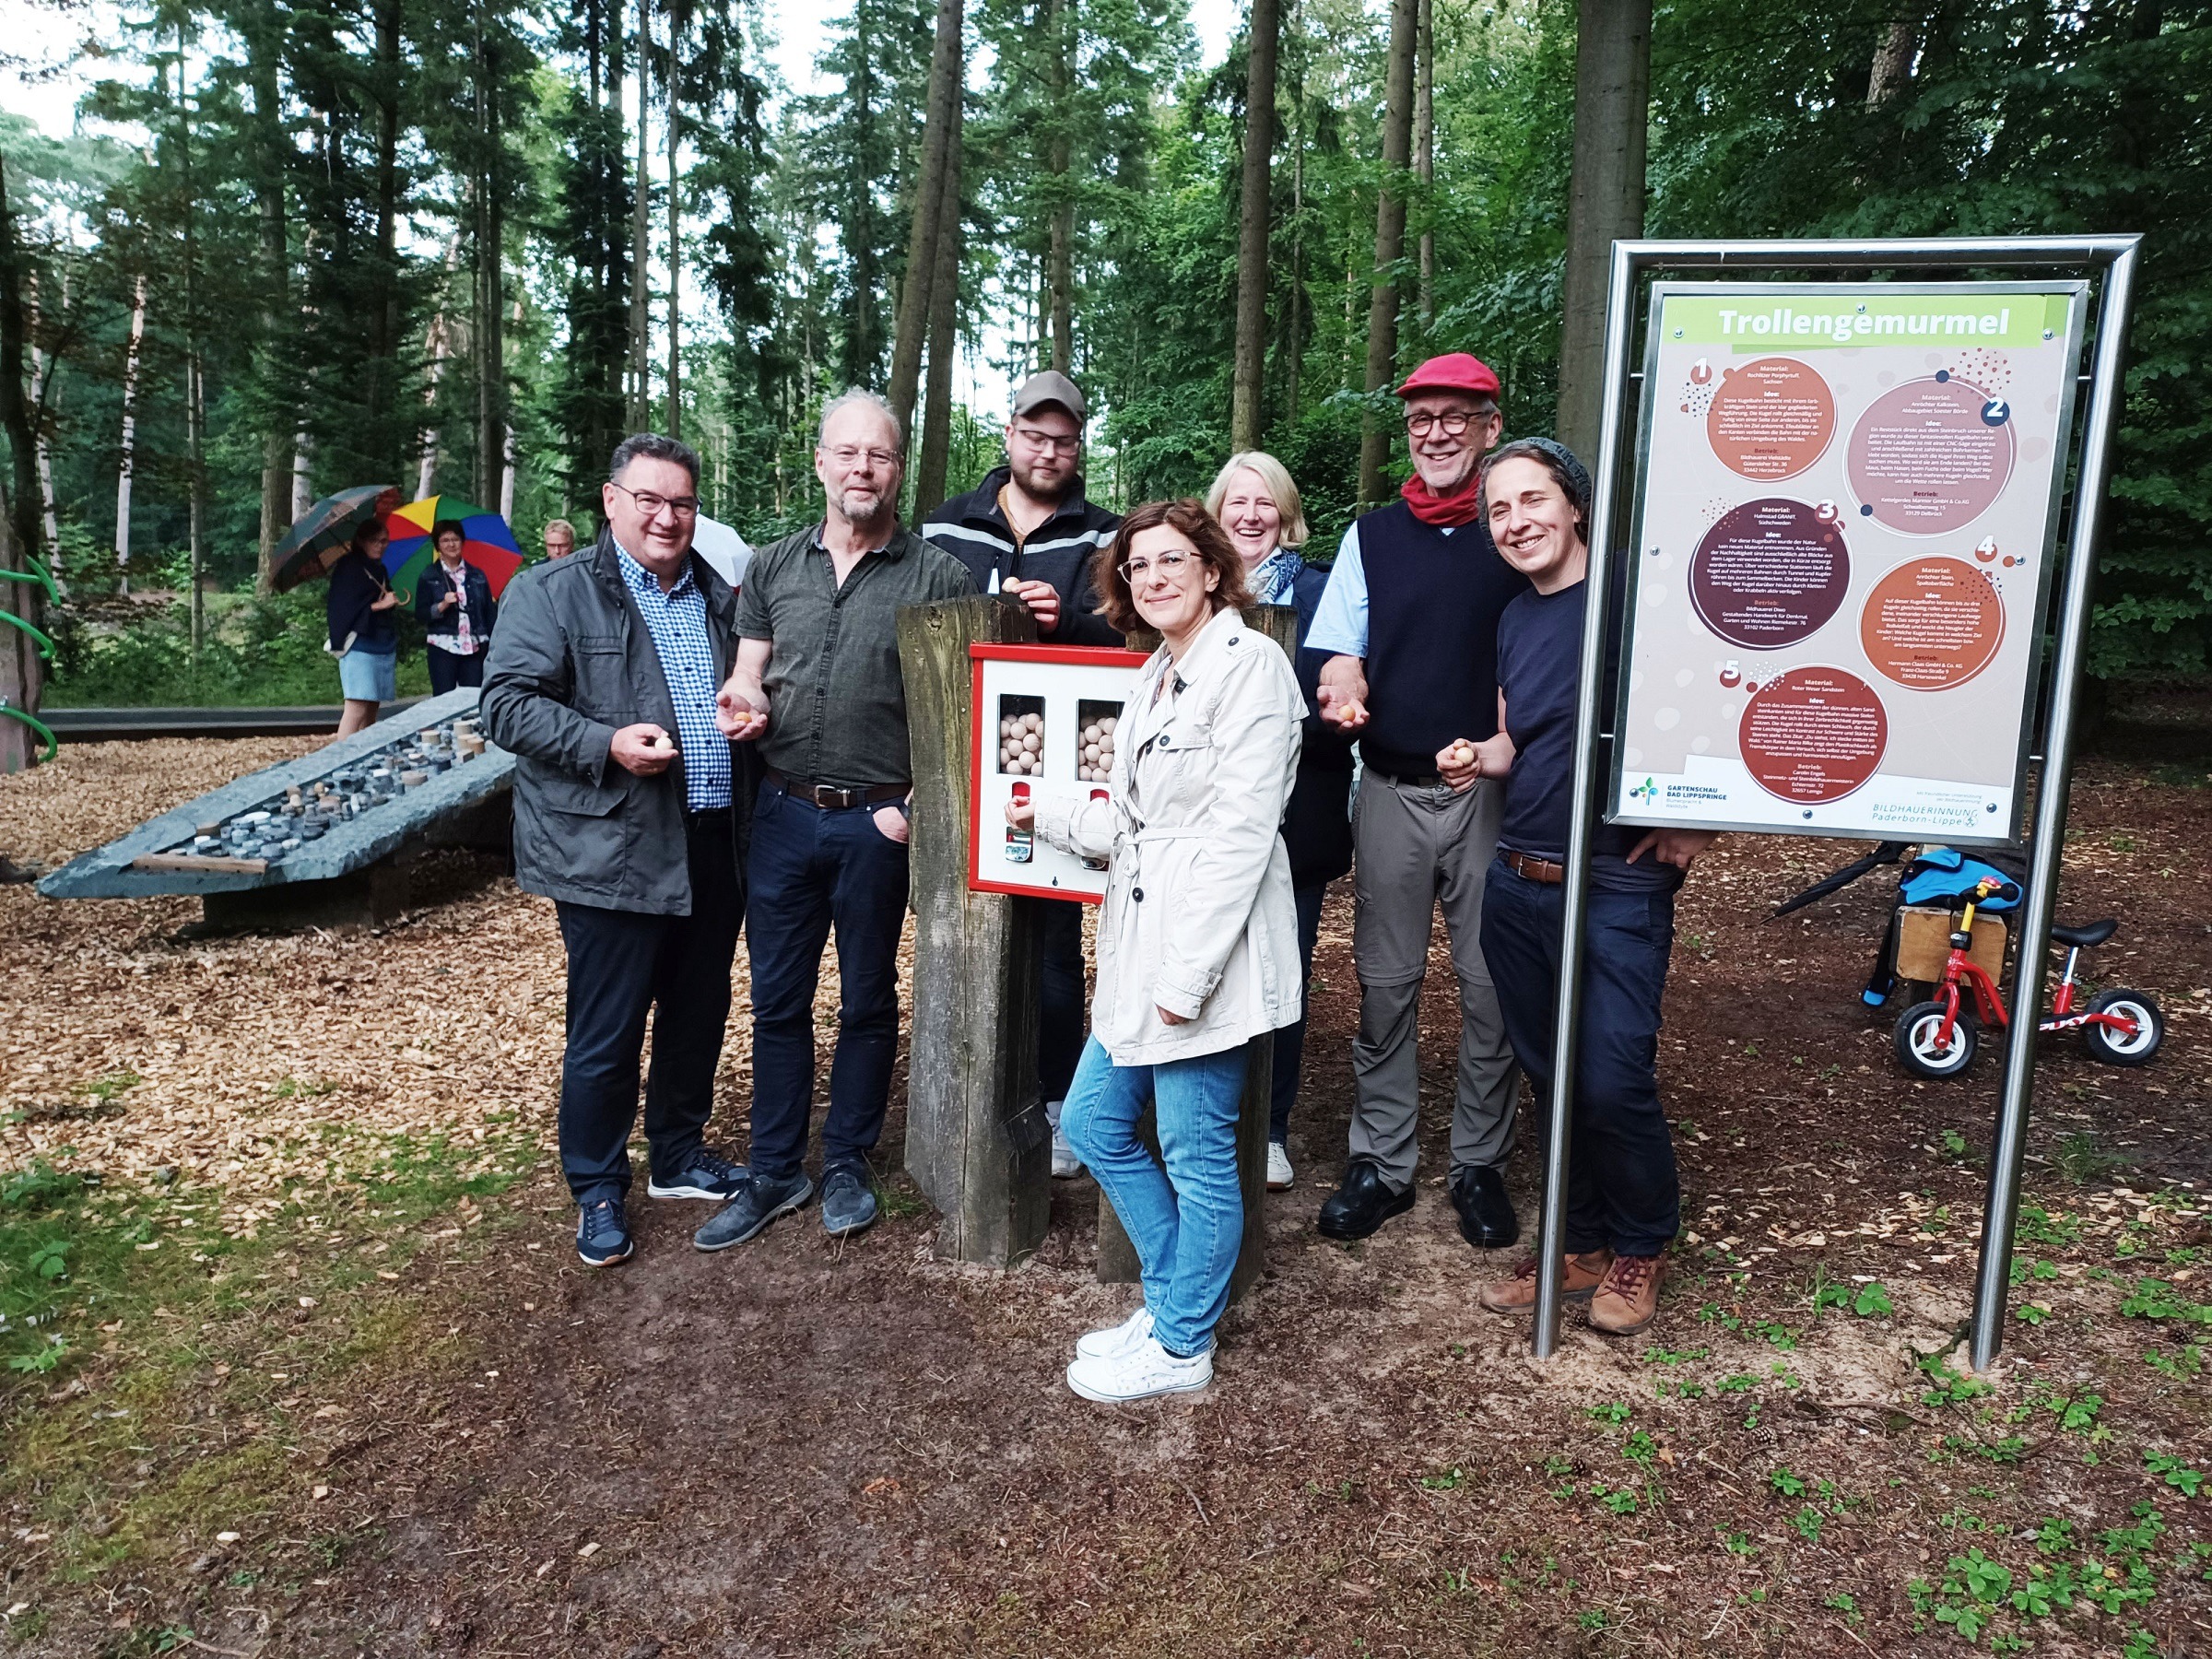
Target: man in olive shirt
816, 684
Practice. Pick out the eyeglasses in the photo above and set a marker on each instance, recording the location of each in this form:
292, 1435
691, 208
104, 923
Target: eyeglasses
1454, 424
1170, 565
849, 455
649, 504
1049, 440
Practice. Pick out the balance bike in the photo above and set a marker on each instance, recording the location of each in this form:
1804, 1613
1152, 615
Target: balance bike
1937, 1038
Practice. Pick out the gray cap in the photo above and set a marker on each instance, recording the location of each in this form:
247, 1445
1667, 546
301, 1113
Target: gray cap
1051, 386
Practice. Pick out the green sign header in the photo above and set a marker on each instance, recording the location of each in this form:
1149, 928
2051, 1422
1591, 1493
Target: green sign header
1838, 315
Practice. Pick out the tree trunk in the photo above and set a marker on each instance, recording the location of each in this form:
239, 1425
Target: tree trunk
932, 220
1892, 62
129, 449
1424, 153
641, 250
276, 272
676, 256
489, 334
1256, 221
15, 417
1295, 333
195, 411
1612, 96
944, 331
1390, 244
383, 375
1059, 278
50, 517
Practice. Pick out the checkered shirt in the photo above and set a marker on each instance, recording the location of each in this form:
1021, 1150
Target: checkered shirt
677, 621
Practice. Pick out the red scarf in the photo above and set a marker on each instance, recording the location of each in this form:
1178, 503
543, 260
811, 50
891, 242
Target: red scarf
1463, 506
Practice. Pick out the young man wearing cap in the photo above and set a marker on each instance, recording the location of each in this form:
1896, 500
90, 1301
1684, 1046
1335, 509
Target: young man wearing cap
1411, 615
1029, 531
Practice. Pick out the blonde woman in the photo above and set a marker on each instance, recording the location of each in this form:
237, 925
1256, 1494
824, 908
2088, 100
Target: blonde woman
1254, 500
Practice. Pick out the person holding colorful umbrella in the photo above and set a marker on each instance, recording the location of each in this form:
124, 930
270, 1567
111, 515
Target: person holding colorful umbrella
455, 605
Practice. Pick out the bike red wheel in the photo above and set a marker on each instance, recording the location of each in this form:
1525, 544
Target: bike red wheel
1920, 1045
2116, 1048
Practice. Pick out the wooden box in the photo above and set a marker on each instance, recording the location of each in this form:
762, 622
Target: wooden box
1923, 943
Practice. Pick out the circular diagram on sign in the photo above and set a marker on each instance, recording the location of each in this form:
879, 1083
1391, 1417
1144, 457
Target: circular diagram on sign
1770, 574
1813, 735
1771, 418
1932, 623
1931, 455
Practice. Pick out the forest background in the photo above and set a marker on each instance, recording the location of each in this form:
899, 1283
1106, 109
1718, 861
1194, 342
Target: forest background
293, 247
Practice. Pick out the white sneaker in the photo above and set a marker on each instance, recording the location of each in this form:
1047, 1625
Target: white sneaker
1279, 1175
1100, 1344
1138, 1373
1066, 1166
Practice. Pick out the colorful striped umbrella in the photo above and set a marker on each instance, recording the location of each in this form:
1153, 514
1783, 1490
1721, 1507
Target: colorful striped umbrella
486, 542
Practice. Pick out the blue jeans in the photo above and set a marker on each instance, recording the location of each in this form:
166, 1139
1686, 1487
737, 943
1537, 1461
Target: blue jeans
812, 868
1621, 1186
1187, 1221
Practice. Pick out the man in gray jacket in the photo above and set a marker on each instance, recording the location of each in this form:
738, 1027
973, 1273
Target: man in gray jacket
630, 811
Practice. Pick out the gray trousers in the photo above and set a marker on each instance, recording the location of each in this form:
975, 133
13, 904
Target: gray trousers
1414, 847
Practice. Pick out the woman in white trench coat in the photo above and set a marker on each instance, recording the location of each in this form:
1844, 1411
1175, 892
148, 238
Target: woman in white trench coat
1197, 935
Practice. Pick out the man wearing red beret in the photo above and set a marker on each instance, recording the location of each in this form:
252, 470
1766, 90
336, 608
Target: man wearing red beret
1411, 616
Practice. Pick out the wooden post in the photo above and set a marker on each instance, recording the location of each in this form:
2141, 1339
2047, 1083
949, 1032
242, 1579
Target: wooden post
976, 1140
1117, 1255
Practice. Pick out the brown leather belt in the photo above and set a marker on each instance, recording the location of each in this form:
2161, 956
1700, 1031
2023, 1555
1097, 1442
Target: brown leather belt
1529, 867
829, 798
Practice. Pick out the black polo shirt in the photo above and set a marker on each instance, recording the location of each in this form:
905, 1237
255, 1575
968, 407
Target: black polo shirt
836, 700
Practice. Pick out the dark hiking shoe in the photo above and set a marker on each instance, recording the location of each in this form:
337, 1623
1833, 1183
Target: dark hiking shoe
848, 1204
1362, 1204
755, 1204
707, 1175
1485, 1213
603, 1233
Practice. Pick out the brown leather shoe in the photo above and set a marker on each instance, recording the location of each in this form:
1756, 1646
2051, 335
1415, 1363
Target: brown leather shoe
1518, 1294
1628, 1299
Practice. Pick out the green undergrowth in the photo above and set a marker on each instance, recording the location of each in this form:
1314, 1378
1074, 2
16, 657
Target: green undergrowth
166, 1358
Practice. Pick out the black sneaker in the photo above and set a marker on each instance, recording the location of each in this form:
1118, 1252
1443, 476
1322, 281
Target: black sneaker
755, 1203
848, 1203
603, 1234
1486, 1212
1362, 1204
707, 1175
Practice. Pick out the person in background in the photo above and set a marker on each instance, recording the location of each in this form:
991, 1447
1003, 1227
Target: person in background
363, 634
630, 814
1254, 499
1623, 1202
1410, 616
454, 601
817, 689
1196, 935
1029, 531
560, 539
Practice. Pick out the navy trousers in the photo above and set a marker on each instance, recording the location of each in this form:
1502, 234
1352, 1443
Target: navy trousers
1621, 1185
1061, 1028
813, 869
1290, 1040
622, 967
449, 669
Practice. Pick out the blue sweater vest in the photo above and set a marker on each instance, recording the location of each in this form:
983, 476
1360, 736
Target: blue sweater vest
1433, 600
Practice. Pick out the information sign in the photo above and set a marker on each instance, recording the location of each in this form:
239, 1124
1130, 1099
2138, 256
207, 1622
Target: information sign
1846, 506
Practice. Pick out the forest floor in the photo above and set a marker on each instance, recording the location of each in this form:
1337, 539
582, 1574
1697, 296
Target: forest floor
300, 1361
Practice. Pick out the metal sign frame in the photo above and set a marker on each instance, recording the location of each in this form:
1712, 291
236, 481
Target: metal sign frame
2111, 257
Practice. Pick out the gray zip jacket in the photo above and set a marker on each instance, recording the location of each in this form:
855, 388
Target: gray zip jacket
572, 664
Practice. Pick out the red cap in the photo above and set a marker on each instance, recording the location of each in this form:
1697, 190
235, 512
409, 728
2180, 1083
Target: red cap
1454, 372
